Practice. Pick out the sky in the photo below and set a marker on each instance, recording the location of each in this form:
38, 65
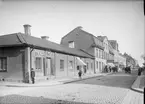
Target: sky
118, 20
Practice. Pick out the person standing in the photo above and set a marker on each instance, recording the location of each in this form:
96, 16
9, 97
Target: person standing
110, 68
33, 75
80, 73
139, 71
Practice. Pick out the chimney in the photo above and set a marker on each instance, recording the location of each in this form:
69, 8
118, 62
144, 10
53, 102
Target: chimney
45, 37
27, 29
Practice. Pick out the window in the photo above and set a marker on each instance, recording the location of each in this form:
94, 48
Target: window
87, 65
71, 44
38, 63
102, 65
3, 64
104, 54
71, 65
61, 65
99, 53
96, 52
91, 65
97, 64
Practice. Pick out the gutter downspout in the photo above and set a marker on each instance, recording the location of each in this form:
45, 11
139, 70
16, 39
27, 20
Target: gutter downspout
31, 50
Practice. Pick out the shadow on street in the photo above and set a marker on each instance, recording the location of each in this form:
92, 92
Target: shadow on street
120, 79
19, 99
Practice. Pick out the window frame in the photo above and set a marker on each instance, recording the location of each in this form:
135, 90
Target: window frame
37, 67
97, 64
71, 44
2, 65
87, 65
61, 67
97, 51
70, 64
91, 65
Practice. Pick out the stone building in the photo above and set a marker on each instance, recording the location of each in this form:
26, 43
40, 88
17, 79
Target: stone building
20, 52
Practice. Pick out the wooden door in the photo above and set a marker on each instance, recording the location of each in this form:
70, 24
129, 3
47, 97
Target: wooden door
48, 66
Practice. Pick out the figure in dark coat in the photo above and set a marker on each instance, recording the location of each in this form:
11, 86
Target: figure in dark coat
139, 71
110, 68
80, 73
33, 75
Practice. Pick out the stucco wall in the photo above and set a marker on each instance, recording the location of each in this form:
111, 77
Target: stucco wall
15, 63
59, 72
100, 67
43, 54
71, 70
90, 65
81, 39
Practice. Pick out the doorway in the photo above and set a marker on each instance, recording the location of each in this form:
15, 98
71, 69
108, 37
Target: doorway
48, 67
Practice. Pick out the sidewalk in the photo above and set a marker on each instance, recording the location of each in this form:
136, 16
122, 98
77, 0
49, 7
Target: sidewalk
135, 96
52, 82
139, 84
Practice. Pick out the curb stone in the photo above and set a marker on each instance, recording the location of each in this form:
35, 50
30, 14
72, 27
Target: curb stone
58, 83
136, 84
85, 78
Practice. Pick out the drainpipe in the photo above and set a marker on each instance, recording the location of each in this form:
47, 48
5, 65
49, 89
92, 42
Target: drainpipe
94, 66
31, 59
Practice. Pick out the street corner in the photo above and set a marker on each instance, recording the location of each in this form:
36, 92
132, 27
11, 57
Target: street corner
139, 84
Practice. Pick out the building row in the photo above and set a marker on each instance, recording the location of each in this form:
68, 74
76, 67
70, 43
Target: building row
104, 51
130, 61
20, 52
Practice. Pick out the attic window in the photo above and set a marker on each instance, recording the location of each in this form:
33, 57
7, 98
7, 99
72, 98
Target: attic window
71, 44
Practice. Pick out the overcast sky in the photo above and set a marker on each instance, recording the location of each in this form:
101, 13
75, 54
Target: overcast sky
118, 20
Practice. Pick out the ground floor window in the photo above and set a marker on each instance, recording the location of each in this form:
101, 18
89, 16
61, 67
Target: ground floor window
3, 64
100, 66
91, 65
61, 65
97, 64
71, 65
87, 66
38, 64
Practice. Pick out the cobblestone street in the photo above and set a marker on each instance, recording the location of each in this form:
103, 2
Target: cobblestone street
110, 89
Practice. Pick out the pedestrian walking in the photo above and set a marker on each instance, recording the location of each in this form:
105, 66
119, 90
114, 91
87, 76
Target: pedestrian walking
85, 69
106, 69
110, 68
80, 73
139, 71
33, 75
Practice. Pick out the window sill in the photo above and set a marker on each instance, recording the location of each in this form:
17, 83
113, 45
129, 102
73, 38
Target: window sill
3, 70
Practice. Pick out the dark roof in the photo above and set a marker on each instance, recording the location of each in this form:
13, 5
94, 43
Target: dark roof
10, 40
20, 39
94, 39
101, 38
74, 30
96, 44
113, 42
